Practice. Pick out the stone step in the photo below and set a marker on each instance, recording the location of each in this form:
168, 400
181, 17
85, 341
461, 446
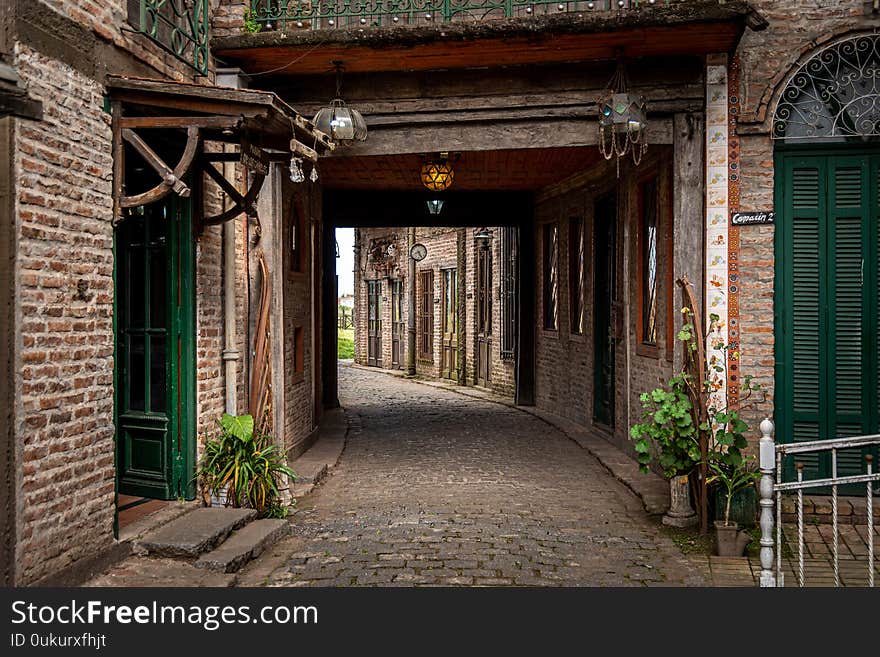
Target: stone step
195, 533
245, 544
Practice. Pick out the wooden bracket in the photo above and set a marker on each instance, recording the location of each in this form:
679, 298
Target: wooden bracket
240, 203
171, 178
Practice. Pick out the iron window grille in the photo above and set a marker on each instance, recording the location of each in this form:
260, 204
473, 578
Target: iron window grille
179, 27
508, 292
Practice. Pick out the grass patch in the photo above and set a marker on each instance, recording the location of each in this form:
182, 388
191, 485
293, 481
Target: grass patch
345, 344
689, 540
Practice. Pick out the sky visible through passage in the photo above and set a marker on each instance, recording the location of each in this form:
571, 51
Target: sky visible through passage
345, 261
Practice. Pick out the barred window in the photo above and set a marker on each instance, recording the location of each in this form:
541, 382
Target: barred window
508, 292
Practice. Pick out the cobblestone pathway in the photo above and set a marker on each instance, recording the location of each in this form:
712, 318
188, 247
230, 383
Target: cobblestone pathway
438, 488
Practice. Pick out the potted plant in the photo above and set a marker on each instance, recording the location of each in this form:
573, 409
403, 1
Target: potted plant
669, 436
244, 466
733, 477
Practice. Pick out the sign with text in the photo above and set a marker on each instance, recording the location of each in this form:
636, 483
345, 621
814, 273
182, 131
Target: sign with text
254, 158
750, 218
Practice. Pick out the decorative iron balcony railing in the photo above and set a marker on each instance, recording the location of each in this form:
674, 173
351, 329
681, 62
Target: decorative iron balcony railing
335, 14
177, 26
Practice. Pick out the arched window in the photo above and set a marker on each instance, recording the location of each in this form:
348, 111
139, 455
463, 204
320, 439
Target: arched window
835, 95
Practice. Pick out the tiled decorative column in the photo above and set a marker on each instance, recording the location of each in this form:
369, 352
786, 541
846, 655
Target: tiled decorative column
717, 228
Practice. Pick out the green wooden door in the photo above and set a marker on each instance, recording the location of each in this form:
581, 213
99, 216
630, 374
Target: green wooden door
826, 302
155, 442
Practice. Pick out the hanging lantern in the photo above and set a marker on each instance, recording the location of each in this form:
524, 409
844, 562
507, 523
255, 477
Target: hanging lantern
435, 205
438, 175
623, 120
342, 123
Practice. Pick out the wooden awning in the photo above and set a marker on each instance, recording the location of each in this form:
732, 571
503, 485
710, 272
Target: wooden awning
261, 125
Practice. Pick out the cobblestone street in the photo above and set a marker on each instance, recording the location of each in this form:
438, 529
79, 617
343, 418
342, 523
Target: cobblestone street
437, 488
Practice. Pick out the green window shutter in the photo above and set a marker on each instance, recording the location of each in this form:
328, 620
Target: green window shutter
807, 213
827, 293
847, 377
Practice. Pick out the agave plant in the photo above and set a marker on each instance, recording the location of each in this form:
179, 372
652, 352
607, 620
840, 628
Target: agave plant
244, 465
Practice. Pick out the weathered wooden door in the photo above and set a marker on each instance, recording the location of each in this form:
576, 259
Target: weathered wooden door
374, 323
605, 227
484, 316
398, 330
826, 300
449, 342
155, 355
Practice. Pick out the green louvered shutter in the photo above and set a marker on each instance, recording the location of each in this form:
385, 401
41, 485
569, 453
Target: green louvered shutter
828, 293
807, 185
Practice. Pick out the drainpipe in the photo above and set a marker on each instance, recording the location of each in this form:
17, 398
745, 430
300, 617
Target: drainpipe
411, 307
230, 355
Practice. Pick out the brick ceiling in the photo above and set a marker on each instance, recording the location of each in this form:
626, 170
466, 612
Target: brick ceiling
502, 170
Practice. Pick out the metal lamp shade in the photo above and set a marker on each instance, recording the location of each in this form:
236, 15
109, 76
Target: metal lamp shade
624, 113
341, 123
437, 176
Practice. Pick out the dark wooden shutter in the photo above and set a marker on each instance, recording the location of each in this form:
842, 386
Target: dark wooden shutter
827, 349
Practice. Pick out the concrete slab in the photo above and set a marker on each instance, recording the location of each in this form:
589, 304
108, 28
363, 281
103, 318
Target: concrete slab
243, 545
194, 533
144, 572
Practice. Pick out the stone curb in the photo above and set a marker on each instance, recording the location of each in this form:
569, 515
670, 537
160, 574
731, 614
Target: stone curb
650, 488
313, 465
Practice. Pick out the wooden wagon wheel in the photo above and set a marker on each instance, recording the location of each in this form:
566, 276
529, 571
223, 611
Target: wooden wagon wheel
171, 179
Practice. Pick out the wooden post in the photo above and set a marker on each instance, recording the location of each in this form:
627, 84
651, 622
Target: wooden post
688, 205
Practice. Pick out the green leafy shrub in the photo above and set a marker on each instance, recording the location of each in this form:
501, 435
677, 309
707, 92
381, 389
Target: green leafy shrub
733, 478
244, 465
251, 24
672, 425
668, 432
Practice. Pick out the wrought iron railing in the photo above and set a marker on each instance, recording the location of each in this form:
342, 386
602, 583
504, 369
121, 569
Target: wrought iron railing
177, 26
335, 14
773, 487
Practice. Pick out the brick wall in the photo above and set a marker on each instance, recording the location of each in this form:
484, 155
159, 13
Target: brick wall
227, 18
64, 288
64, 411
299, 408
108, 19
565, 360
796, 29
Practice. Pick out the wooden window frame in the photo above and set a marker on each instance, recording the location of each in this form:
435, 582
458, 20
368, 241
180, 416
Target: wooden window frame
577, 274
666, 186
546, 292
425, 315
484, 291
645, 347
